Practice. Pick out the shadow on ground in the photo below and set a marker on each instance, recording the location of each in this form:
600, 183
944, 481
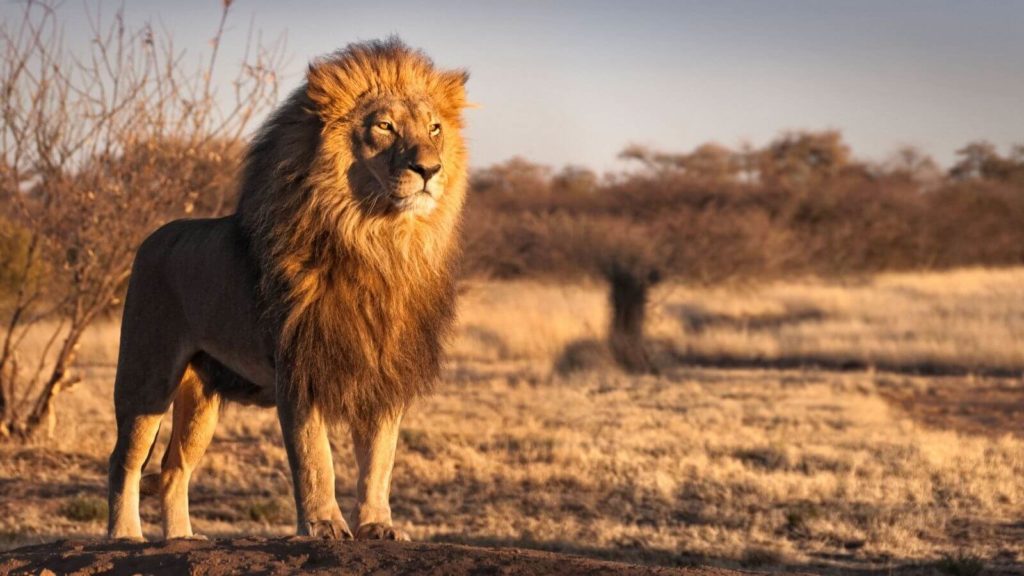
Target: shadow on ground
307, 556
953, 565
990, 407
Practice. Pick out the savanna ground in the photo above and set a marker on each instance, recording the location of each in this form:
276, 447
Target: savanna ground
864, 425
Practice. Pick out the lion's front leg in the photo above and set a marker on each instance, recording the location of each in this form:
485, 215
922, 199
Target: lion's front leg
375, 446
309, 455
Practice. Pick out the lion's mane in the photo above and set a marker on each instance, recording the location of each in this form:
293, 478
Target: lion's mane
360, 301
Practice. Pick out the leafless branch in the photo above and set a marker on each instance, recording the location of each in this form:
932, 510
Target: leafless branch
97, 148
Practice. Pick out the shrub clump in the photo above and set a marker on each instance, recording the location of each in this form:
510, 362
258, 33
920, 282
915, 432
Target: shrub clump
85, 509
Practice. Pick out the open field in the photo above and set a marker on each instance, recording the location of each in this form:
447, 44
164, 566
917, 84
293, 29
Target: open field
751, 466
961, 321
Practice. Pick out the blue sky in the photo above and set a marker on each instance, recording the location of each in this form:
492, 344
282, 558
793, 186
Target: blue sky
575, 81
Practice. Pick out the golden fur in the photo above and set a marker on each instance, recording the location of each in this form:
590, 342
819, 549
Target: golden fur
360, 295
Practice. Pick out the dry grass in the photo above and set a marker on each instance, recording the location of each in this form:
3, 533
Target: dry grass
803, 468
970, 319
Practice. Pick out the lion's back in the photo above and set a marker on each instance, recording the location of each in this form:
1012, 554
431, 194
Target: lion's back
200, 269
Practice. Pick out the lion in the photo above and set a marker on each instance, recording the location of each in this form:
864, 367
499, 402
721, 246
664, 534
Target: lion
328, 294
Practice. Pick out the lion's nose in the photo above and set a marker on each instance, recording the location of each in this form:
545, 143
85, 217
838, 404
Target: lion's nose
425, 171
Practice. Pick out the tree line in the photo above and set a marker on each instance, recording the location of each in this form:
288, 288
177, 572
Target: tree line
802, 204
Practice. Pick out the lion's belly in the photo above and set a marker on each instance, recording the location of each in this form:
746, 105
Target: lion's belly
258, 371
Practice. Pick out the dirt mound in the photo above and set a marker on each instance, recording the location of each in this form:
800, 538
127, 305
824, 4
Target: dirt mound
306, 556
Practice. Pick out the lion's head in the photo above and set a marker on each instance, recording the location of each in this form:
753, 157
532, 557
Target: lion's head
398, 154
372, 142
393, 124
350, 200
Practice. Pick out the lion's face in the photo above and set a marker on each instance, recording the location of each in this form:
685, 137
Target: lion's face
399, 155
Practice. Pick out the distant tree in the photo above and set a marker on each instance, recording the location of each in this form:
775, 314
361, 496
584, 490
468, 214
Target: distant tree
632, 257
652, 160
1017, 154
514, 176
574, 180
709, 162
910, 164
629, 293
712, 162
514, 184
803, 159
980, 160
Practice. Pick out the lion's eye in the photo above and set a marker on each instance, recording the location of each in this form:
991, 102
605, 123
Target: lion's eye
385, 126
435, 128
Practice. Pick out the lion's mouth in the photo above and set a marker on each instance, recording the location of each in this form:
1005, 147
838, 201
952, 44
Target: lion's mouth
419, 202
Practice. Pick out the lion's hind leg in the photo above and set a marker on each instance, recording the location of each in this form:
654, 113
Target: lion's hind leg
139, 404
196, 408
136, 435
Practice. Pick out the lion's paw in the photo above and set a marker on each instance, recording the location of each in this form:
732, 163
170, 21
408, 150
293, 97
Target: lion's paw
330, 530
377, 531
126, 539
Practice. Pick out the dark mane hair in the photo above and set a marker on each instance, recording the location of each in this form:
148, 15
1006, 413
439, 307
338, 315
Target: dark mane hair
360, 302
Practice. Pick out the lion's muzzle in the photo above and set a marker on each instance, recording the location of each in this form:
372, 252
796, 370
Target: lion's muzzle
426, 172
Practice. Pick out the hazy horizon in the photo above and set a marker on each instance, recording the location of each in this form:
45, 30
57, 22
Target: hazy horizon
575, 82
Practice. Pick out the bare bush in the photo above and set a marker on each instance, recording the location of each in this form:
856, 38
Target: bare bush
98, 148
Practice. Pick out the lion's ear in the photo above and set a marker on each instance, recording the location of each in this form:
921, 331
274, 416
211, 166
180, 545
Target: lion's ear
451, 87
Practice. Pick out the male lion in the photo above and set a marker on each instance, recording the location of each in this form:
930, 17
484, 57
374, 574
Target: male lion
327, 294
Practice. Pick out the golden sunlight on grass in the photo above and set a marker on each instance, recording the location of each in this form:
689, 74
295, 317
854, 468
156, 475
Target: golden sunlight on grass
967, 319
810, 468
